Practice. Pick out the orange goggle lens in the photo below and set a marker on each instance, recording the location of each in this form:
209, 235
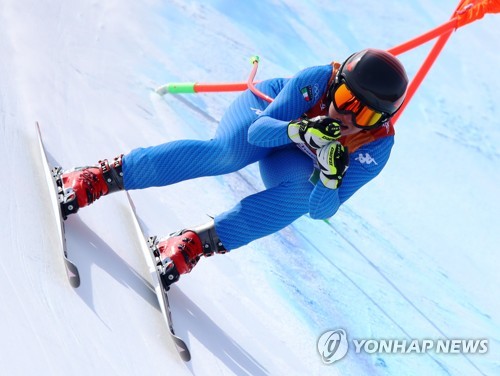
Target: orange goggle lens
346, 102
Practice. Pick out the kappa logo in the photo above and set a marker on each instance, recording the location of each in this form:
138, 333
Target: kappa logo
366, 159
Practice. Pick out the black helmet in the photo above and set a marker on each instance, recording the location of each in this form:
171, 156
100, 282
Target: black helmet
377, 78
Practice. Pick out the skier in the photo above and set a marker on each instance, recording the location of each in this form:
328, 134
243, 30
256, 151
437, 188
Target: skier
326, 134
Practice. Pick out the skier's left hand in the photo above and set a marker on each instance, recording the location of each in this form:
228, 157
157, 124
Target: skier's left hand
333, 160
316, 132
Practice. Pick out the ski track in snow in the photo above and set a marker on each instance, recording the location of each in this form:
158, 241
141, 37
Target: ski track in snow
412, 255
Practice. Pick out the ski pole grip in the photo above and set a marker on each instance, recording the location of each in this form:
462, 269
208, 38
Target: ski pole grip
254, 59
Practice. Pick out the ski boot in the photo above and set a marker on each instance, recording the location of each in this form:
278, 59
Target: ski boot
181, 251
83, 185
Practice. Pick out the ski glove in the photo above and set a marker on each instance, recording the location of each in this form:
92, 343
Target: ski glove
333, 160
316, 132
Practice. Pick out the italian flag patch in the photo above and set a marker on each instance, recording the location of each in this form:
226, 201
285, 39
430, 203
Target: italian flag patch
306, 93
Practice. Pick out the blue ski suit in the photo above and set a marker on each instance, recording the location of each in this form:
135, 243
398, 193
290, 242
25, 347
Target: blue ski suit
254, 130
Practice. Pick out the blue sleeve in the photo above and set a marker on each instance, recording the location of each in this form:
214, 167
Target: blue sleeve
364, 164
298, 96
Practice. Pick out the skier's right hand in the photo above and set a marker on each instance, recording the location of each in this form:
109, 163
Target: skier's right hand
316, 132
333, 161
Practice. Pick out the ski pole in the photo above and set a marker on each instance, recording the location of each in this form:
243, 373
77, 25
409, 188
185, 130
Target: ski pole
255, 61
464, 14
197, 87
424, 38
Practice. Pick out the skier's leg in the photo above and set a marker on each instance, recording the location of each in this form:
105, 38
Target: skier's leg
177, 161
181, 160
173, 161
286, 173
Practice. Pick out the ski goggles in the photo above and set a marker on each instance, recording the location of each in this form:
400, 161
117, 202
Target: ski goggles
345, 102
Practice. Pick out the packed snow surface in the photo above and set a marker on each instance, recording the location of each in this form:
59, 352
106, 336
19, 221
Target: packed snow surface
413, 255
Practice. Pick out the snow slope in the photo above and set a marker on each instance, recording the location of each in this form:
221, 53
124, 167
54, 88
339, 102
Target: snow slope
412, 255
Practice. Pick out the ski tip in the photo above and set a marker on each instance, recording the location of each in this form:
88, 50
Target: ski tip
182, 348
74, 282
73, 274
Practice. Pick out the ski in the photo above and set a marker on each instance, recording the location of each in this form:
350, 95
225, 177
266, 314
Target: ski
53, 179
155, 265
